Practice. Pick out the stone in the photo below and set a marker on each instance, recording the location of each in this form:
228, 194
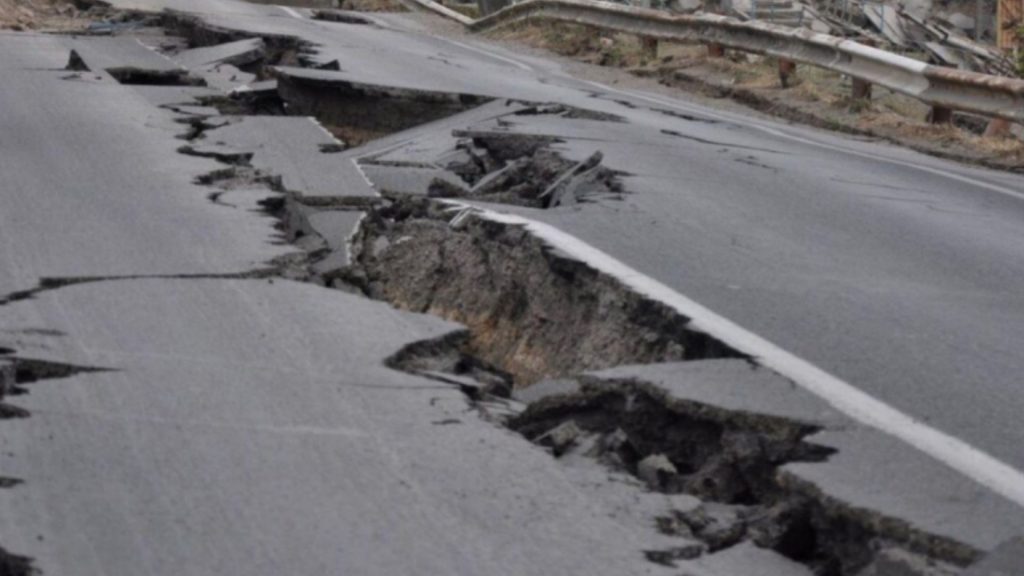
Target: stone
560, 438
656, 470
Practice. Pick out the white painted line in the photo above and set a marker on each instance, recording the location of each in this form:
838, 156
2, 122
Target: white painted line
324, 129
355, 162
957, 454
291, 12
351, 239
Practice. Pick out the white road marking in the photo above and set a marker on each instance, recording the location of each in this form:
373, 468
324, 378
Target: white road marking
858, 405
291, 12
351, 239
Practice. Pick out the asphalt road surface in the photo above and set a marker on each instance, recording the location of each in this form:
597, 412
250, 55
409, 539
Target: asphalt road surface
241, 414
897, 272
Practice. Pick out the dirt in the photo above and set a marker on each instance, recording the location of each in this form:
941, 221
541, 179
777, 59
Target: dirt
816, 97
531, 312
23, 15
525, 171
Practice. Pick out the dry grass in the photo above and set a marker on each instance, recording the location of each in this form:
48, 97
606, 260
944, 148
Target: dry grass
40, 14
1008, 150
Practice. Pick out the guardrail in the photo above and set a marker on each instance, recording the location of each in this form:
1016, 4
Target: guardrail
943, 88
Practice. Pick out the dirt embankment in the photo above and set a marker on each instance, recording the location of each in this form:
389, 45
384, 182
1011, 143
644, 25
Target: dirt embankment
43, 14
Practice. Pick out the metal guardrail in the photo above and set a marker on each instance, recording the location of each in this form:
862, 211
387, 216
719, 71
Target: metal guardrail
445, 11
938, 86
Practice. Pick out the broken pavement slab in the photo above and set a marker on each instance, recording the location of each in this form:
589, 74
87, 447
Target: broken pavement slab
261, 412
123, 56
868, 471
291, 148
170, 95
1006, 560
238, 53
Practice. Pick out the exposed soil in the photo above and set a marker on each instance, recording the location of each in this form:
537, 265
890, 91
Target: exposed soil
47, 14
530, 311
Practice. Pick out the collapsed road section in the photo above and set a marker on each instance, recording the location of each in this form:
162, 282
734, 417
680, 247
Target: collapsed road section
641, 445
535, 316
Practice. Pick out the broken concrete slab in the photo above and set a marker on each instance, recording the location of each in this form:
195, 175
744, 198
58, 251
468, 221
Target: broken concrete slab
123, 55
336, 227
238, 53
291, 148
733, 385
406, 179
560, 438
224, 77
746, 558
657, 471
283, 451
169, 95
1007, 559
363, 108
872, 471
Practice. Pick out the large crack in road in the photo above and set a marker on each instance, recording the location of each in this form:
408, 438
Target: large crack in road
533, 315
538, 323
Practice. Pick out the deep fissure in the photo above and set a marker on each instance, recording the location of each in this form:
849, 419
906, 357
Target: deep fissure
532, 314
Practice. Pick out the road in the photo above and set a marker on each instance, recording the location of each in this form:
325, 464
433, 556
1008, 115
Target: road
248, 424
897, 272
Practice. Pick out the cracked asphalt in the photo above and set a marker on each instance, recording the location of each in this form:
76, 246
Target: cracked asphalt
246, 423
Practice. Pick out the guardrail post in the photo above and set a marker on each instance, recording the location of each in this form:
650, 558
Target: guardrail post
716, 50
861, 89
940, 115
649, 47
997, 128
787, 68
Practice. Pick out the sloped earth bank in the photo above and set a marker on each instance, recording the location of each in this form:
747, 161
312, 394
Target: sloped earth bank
533, 315
48, 14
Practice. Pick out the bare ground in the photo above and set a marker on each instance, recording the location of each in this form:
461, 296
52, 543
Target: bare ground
43, 15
